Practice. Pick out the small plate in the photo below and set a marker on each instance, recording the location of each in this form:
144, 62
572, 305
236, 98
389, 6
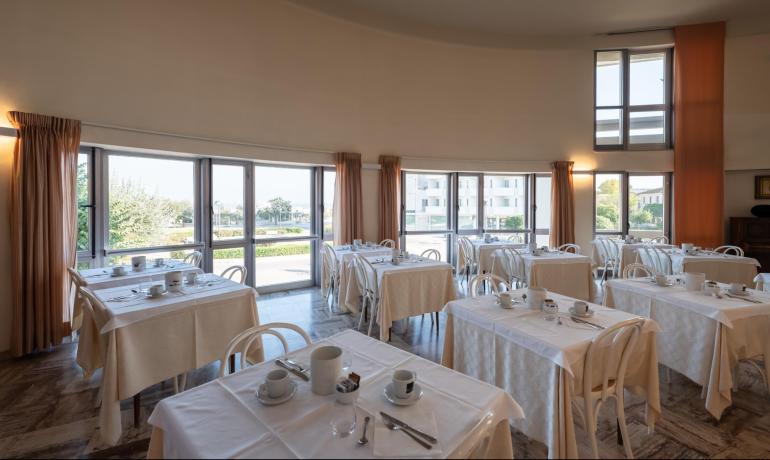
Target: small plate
507, 307
115, 275
588, 314
668, 284
147, 294
413, 398
268, 401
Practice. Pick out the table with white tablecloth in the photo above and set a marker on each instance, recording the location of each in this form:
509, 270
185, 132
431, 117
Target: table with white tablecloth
224, 419
345, 254
563, 272
540, 362
724, 268
102, 278
628, 253
412, 288
141, 341
703, 337
484, 251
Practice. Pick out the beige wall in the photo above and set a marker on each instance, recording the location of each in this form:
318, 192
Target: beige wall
272, 73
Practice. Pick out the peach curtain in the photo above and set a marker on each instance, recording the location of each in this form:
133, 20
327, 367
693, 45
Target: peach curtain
390, 189
43, 228
698, 143
562, 204
348, 207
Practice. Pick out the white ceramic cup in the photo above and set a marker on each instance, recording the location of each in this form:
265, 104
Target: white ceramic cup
694, 281
505, 299
403, 383
159, 261
173, 281
139, 263
118, 270
276, 383
737, 288
535, 297
687, 246
581, 308
661, 279
156, 290
191, 277
325, 369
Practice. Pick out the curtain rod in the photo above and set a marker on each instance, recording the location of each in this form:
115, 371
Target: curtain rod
207, 139
639, 31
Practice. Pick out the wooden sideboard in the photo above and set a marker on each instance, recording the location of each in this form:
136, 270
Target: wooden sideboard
752, 234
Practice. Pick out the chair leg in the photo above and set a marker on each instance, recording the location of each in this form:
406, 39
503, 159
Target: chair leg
590, 427
372, 315
362, 313
437, 323
137, 408
622, 426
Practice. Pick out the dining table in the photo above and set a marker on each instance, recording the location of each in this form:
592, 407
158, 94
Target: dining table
725, 268
539, 361
224, 419
563, 272
704, 336
483, 251
627, 252
345, 254
413, 287
103, 278
139, 341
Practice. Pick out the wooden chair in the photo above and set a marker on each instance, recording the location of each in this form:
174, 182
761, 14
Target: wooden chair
243, 342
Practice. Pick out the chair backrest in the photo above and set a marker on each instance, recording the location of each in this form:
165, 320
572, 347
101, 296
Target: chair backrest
513, 262
660, 240
467, 248
607, 358
101, 315
329, 259
75, 277
243, 342
570, 247
494, 282
193, 258
235, 270
632, 270
727, 249
388, 243
662, 261
431, 254
362, 269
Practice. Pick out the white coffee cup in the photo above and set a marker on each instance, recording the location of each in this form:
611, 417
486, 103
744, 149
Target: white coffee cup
159, 261
737, 288
191, 277
173, 281
403, 383
325, 369
156, 290
694, 281
276, 383
139, 263
118, 270
687, 246
535, 297
661, 279
505, 299
580, 307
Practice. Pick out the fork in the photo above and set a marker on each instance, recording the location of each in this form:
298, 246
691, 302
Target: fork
393, 427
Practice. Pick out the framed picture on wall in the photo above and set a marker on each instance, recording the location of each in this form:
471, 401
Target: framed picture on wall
762, 187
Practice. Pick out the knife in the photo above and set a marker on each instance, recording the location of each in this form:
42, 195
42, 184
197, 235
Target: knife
292, 369
747, 299
578, 320
403, 425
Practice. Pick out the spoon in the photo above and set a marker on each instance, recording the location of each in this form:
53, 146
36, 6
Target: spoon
363, 441
419, 441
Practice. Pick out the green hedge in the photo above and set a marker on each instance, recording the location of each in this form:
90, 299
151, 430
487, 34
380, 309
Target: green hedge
264, 251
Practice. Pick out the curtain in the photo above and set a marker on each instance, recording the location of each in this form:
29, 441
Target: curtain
562, 204
43, 228
390, 189
698, 142
348, 208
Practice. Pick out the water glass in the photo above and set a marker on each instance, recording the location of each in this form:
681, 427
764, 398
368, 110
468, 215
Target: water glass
343, 419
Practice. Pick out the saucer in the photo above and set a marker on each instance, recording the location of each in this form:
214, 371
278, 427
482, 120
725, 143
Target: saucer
507, 307
115, 275
149, 296
413, 398
588, 314
740, 294
668, 283
268, 401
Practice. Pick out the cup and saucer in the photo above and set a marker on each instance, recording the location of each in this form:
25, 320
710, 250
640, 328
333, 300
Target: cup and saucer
661, 280
505, 300
580, 310
403, 390
155, 291
118, 270
277, 389
738, 289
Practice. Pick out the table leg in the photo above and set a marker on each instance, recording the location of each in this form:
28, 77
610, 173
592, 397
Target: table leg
232, 363
620, 435
436, 323
137, 408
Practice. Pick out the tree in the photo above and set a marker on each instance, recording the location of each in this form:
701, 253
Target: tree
82, 190
640, 217
275, 210
608, 212
610, 187
513, 223
136, 216
656, 209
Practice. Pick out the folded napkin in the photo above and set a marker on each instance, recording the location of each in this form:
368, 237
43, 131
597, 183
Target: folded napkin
393, 444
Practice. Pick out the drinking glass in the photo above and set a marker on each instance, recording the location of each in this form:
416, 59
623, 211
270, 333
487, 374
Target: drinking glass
343, 419
347, 361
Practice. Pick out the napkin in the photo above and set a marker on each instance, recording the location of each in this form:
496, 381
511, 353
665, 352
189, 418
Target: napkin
393, 444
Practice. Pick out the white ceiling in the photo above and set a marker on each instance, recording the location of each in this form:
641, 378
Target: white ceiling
508, 22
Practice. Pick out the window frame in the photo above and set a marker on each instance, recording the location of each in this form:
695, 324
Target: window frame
533, 204
88, 255
625, 106
451, 195
528, 217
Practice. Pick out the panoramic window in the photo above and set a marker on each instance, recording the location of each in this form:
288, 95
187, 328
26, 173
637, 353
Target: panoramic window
632, 99
505, 204
85, 209
227, 218
542, 210
467, 202
426, 213
151, 202
329, 178
609, 203
632, 204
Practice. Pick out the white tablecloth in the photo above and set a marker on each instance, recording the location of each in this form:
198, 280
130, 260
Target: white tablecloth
223, 419
410, 289
344, 255
703, 337
718, 267
539, 362
484, 252
565, 273
101, 278
140, 343
762, 282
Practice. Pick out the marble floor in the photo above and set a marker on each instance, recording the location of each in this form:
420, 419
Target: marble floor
47, 409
